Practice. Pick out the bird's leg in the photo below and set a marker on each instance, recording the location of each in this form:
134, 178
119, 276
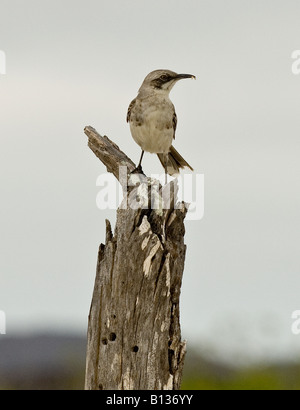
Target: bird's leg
166, 162
139, 167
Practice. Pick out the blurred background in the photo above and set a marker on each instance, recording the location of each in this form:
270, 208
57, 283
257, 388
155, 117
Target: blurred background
75, 63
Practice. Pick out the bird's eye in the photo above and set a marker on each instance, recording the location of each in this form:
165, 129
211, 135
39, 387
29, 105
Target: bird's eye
164, 77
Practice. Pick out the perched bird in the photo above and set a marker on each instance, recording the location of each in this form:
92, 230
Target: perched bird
153, 119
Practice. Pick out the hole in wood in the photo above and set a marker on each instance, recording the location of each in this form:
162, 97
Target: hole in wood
171, 356
135, 349
112, 337
104, 341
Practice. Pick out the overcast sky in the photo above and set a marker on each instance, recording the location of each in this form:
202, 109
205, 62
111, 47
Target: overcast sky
75, 63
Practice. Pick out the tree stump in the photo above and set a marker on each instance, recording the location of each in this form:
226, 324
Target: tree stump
134, 337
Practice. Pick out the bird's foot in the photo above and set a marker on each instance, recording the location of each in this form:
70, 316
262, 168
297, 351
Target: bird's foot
138, 170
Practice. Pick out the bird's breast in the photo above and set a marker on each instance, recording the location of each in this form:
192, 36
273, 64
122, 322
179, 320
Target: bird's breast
151, 125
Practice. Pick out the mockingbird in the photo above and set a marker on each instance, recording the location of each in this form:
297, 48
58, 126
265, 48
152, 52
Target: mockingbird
153, 119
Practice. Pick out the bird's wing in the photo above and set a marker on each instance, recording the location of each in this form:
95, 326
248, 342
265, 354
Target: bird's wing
174, 123
129, 110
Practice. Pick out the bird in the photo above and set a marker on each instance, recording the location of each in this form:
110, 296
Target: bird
153, 120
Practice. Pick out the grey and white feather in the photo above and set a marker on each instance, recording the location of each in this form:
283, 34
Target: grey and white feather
152, 119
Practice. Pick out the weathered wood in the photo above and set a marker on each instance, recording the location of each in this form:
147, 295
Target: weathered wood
134, 337
108, 152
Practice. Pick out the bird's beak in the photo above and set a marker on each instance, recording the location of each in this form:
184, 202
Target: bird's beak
181, 76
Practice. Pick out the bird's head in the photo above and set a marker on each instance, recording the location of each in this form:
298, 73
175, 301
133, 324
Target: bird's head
162, 80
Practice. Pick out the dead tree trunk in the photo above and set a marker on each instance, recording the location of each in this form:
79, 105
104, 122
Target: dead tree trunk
134, 338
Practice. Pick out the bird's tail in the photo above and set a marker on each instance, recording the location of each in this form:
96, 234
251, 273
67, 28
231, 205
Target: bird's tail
174, 161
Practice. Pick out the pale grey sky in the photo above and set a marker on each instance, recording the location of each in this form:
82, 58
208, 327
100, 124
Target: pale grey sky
77, 63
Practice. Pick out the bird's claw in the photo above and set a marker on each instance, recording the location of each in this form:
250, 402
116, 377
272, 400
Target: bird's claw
138, 170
